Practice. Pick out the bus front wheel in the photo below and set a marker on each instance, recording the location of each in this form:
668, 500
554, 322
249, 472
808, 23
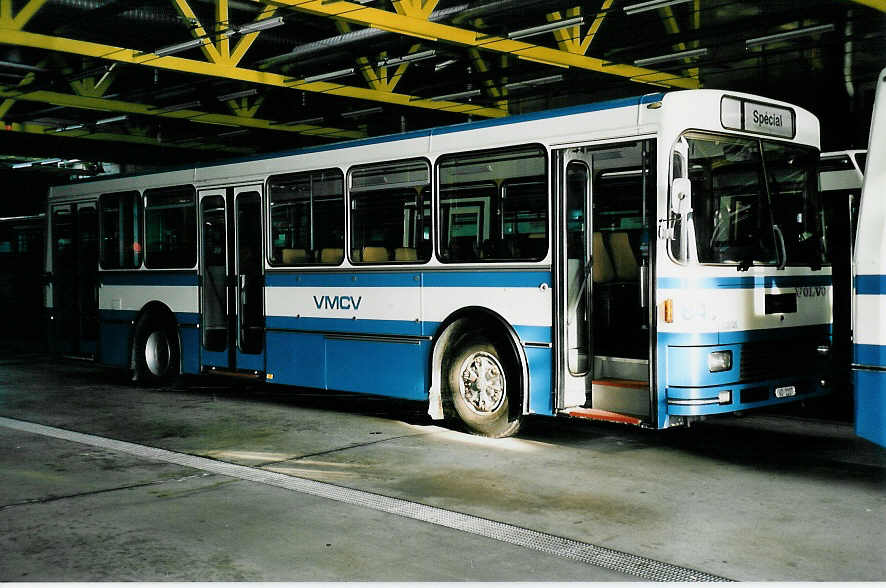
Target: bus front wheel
156, 352
479, 379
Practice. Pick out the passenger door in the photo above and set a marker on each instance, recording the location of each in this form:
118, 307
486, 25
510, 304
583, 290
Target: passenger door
574, 271
232, 280
74, 229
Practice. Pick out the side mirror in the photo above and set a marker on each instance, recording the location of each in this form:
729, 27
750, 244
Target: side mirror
681, 197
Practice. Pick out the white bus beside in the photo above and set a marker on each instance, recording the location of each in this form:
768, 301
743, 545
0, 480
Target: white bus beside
651, 260
869, 361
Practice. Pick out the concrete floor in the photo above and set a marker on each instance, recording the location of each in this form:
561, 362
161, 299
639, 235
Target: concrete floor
763, 497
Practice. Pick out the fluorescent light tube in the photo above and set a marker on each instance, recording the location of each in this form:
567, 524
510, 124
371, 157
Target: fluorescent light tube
671, 57
421, 55
236, 95
330, 75
15, 65
178, 48
182, 106
363, 112
758, 41
73, 127
457, 95
113, 119
535, 82
553, 26
233, 133
261, 25
652, 5
307, 121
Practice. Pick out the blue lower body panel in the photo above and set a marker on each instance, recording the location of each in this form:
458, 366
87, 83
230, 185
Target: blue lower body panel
870, 405
113, 348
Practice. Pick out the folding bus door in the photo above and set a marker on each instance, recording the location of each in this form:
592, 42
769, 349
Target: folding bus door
602, 331
74, 251
232, 280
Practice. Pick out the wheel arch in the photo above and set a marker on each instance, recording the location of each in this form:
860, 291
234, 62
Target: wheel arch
476, 319
159, 311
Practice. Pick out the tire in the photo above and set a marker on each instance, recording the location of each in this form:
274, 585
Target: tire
479, 380
156, 352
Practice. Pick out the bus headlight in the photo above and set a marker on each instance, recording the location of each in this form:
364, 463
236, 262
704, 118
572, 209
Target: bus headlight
720, 361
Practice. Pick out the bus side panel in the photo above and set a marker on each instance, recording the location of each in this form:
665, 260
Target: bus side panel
114, 332
541, 369
296, 359
870, 408
390, 369
190, 346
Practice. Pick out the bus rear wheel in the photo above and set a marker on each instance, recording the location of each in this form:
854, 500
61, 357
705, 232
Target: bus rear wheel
155, 346
479, 379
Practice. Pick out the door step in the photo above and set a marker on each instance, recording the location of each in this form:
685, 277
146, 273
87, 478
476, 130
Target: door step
248, 374
596, 414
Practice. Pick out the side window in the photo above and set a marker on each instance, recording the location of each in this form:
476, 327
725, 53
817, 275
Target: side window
307, 218
170, 228
494, 205
391, 213
120, 219
621, 228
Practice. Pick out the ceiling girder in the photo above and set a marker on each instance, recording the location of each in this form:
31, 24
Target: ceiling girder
218, 70
38, 129
109, 105
431, 31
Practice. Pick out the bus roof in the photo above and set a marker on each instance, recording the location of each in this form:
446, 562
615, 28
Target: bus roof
455, 128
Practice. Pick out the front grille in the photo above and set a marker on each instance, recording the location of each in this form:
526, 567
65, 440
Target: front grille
766, 360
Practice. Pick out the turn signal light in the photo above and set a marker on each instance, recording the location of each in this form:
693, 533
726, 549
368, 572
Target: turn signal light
669, 310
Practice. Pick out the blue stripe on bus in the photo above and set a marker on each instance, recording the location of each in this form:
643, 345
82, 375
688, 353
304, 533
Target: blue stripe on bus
148, 278
732, 337
870, 285
748, 282
443, 279
345, 326
533, 334
870, 355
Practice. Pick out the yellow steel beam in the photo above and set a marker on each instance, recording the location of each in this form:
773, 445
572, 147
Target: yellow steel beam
570, 39
423, 29
37, 129
875, 4
123, 55
9, 19
198, 32
107, 105
247, 40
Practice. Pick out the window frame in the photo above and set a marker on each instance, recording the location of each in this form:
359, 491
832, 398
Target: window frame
146, 193
437, 203
269, 220
349, 229
139, 229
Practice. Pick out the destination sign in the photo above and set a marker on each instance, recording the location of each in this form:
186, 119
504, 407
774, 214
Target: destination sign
756, 117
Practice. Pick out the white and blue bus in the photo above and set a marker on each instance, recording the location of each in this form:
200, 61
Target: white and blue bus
869, 360
651, 260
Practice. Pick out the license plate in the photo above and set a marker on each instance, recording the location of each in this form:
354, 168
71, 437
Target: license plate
785, 391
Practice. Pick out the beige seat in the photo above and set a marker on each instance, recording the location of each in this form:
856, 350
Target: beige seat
626, 267
375, 254
355, 255
331, 255
294, 256
603, 270
405, 254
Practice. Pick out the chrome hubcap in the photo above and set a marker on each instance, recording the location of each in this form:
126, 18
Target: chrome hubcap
482, 383
157, 353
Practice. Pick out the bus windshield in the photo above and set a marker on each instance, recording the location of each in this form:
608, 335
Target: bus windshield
750, 198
